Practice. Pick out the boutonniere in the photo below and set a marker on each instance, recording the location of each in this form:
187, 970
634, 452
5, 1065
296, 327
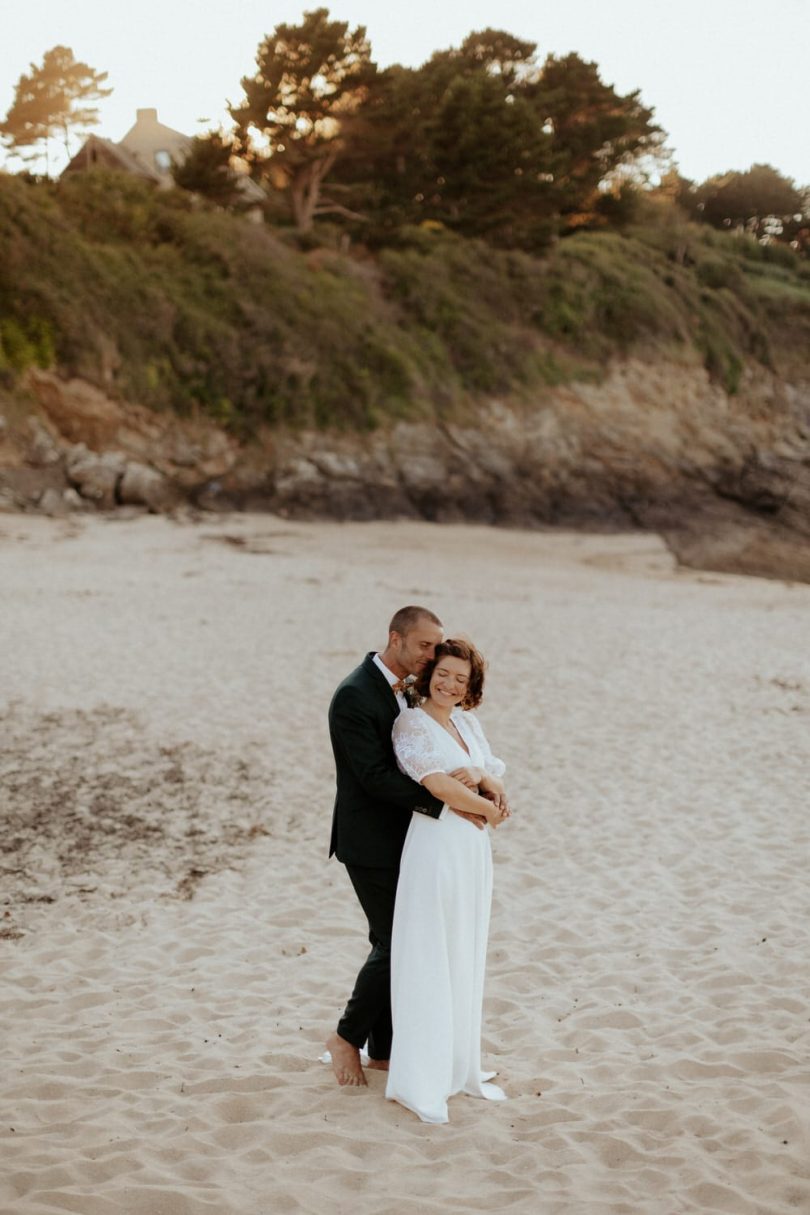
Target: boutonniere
412, 697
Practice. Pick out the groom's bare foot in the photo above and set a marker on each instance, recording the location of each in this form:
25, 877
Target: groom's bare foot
379, 1065
345, 1061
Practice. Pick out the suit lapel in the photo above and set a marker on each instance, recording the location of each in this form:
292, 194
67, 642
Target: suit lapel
380, 684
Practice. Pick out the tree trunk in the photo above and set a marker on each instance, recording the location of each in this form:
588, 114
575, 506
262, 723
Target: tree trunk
305, 190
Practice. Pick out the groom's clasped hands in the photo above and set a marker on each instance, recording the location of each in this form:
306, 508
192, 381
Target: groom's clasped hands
487, 786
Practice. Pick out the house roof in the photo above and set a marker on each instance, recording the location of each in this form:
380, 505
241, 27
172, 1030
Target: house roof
148, 136
112, 154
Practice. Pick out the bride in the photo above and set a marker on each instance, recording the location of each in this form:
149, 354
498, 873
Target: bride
441, 919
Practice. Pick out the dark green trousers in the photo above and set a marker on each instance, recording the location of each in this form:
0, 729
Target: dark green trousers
367, 1017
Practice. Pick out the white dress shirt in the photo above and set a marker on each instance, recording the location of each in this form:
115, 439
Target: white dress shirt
392, 679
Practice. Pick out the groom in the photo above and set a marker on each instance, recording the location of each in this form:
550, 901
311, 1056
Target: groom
373, 808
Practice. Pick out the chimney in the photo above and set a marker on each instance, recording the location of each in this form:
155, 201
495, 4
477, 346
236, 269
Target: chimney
146, 115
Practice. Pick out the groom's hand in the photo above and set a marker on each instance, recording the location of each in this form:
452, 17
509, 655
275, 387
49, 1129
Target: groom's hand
501, 804
471, 777
477, 820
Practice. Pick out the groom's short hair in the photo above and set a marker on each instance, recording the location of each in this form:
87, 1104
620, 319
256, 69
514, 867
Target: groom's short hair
408, 617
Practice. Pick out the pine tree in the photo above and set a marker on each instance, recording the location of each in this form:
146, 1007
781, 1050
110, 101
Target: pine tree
53, 99
310, 80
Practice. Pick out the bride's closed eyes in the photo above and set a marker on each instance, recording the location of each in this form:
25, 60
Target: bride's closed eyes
445, 674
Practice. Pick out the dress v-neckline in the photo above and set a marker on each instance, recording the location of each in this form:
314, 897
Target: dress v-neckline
460, 741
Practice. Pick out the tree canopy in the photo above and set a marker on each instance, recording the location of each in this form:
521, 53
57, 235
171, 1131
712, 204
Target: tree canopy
207, 169
486, 141
595, 131
484, 138
55, 98
310, 81
760, 201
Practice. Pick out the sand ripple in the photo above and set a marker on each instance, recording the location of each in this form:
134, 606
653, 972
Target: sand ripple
648, 1006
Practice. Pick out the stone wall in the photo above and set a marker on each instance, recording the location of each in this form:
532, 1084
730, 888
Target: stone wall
655, 445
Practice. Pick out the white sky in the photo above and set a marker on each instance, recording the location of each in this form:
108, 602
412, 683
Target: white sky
728, 79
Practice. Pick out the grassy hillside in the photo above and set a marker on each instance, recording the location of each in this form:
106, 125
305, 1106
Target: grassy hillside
183, 307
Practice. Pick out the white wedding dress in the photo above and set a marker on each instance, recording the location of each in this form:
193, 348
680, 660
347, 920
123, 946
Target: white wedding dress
441, 923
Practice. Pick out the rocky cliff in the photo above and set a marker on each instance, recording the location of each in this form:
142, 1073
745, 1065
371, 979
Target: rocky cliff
656, 444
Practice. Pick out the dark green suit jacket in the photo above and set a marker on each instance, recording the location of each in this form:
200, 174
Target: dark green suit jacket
374, 800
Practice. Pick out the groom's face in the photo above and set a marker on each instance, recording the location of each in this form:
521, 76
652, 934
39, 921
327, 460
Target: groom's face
416, 648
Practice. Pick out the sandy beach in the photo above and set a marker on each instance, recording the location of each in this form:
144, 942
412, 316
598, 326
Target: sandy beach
176, 946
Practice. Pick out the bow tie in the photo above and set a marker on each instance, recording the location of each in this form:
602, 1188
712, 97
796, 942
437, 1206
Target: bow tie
401, 685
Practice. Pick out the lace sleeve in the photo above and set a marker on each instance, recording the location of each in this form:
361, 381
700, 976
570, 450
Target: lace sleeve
494, 766
415, 746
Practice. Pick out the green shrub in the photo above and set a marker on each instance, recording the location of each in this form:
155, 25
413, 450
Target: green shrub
199, 309
719, 272
25, 343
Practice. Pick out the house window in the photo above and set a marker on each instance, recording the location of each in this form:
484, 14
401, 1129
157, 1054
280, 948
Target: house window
163, 161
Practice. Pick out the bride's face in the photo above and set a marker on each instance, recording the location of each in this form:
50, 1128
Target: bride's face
449, 681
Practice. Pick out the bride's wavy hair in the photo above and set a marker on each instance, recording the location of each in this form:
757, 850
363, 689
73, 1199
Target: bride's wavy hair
456, 648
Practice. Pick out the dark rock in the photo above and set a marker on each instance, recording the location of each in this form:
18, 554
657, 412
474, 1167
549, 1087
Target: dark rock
96, 476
